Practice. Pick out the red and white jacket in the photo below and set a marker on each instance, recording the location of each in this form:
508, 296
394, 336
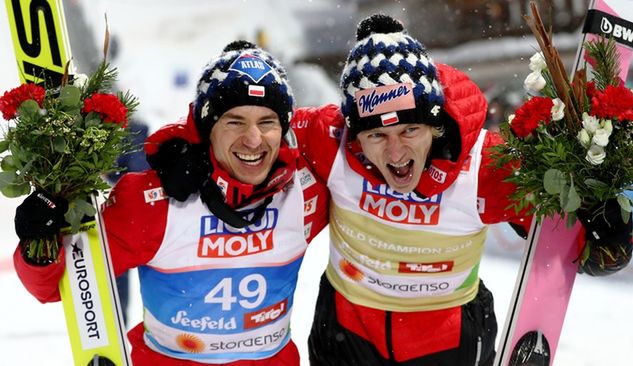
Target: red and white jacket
414, 255
206, 287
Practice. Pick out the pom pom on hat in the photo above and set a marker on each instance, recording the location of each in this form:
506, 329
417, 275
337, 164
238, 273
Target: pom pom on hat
242, 74
389, 78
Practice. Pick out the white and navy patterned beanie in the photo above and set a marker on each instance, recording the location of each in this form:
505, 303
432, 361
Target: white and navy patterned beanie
242, 75
388, 79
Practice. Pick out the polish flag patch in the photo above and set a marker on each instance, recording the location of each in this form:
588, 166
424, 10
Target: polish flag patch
256, 91
389, 118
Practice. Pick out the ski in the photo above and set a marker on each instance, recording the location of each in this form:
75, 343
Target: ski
550, 262
88, 287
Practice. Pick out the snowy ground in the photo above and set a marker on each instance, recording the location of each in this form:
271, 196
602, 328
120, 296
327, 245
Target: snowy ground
598, 330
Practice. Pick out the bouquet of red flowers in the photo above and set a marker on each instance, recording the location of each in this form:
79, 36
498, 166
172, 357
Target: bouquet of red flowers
571, 142
62, 141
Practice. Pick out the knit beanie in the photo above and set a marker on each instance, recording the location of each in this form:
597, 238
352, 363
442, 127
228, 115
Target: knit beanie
388, 79
242, 75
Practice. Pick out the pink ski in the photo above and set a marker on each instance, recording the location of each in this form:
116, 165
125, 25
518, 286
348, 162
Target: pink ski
546, 277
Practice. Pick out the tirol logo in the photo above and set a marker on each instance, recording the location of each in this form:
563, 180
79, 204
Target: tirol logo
425, 267
219, 240
266, 315
252, 66
384, 99
387, 204
601, 23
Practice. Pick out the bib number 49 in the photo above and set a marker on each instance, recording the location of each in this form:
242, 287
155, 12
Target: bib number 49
251, 291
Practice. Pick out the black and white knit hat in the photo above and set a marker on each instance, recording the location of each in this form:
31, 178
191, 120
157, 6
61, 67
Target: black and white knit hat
388, 79
242, 75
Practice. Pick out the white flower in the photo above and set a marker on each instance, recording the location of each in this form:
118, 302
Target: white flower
584, 138
595, 155
606, 124
537, 62
601, 137
79, 80
534, 81
558, 110
590, 123
510, 118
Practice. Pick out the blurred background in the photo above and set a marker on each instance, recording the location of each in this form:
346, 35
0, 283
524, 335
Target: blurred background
160, 47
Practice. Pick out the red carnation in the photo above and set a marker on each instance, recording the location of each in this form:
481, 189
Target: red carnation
108, 106
614, 102
13, 98
529, 115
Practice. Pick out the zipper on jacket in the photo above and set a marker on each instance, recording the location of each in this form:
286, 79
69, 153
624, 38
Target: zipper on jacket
479, 346
389, 336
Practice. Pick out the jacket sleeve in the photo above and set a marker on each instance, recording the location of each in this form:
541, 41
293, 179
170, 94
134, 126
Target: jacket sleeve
135, 216
316, 199
493, 193
40, 281
318, 132
134, 228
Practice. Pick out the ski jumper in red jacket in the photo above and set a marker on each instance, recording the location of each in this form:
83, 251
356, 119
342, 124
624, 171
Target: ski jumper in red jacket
212, 293
402, 284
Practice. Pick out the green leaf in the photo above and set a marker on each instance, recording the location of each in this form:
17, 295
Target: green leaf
28, 108
569, 199
554, 181
84, 207
625, 203
596, 184
8, 164
4, 145
59, 144
7, 179
69, 96
73, 217
625, 208
16, 190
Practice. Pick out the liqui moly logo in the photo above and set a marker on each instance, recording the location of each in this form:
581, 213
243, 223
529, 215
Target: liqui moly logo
252, 66
219, 240
384, 99
265, 315
404, 208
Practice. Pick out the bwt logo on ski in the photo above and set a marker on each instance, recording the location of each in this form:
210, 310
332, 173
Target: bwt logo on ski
219, 240
252, 66
599, 22
387, 204
266, 315
617, 30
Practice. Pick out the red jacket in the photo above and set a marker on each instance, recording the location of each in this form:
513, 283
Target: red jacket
319, 131
135, 230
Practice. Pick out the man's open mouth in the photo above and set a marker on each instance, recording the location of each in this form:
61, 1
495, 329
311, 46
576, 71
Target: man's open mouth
250, 159
401, 170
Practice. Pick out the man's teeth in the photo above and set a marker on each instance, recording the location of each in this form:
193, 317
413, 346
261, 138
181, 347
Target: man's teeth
401, 165
250, 159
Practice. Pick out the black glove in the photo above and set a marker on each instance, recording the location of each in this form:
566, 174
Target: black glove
181, 167
606, 228
608, 240
39, 216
